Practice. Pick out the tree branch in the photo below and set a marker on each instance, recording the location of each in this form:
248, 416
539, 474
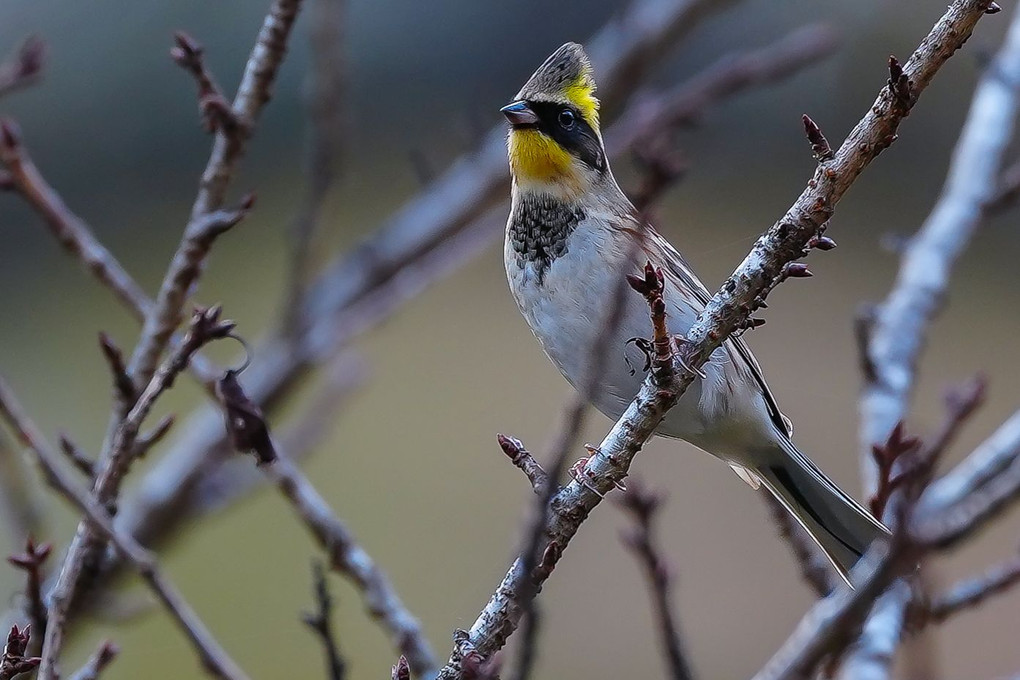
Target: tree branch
23, 67
212, 656
725, 313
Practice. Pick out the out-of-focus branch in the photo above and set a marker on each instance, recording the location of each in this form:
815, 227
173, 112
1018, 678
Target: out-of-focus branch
972, 592
212, 656
898, 327
322, 625
324, 101
642, 504
23, 67
344, 553
31, 562
205, 327
70, 231
359, 301
97, 663
901, 322
726, 313
346, 556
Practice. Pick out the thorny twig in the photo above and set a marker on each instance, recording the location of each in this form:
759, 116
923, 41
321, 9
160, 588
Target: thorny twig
642, 504
321, 624
212, 656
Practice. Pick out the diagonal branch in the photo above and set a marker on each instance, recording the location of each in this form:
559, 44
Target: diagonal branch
725, 313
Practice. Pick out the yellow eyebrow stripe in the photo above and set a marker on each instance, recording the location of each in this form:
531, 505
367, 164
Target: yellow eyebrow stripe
581, 93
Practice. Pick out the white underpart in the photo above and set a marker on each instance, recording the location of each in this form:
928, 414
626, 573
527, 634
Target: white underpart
569, 309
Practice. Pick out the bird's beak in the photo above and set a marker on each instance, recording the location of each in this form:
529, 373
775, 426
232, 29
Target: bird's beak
519, 114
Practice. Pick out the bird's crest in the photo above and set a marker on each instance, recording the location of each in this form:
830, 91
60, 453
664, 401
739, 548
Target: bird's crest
566, 76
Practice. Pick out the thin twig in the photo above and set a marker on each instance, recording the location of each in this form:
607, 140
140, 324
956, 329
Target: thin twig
353, 296
205, 327
524, 461
972, 592
344, 553
97, 663
70, 231
212, 656
31, 562
322, 625
898, 327
643, 504
348, 557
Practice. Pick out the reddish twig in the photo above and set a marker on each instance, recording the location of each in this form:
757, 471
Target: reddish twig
14, 662
897, 447
31, 562
524, 461
213, 107
642, 505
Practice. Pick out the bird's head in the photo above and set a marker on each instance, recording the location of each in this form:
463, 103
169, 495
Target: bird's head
554, 135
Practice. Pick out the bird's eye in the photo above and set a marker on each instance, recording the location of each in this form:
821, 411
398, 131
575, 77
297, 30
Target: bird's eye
566, 119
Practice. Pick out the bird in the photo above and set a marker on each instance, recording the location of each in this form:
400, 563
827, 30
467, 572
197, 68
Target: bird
571, 235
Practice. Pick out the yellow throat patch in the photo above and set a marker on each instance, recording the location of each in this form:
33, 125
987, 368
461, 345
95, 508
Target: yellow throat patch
535, 156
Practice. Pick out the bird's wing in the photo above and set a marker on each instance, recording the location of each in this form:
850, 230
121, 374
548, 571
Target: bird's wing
660, 250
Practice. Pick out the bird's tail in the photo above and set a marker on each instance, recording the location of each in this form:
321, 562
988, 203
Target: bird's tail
837, 523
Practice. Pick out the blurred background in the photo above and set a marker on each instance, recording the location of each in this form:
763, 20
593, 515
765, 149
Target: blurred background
411, 462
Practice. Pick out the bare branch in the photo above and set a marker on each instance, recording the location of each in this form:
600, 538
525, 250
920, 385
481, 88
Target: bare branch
972, 592
321, 624
212, 656
78, 458
345, 555
643, 504
902, 320
213, 107
70, 231
725, 313
168, 311
31, 562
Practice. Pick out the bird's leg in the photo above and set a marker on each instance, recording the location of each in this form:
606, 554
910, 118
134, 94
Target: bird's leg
678, 355
579, 472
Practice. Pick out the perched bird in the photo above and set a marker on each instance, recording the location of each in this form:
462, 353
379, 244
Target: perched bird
572, 234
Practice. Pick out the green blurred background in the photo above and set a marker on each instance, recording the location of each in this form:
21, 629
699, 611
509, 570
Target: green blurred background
411, 462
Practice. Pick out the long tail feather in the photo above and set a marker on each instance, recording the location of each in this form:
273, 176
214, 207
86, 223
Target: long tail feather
837, 523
